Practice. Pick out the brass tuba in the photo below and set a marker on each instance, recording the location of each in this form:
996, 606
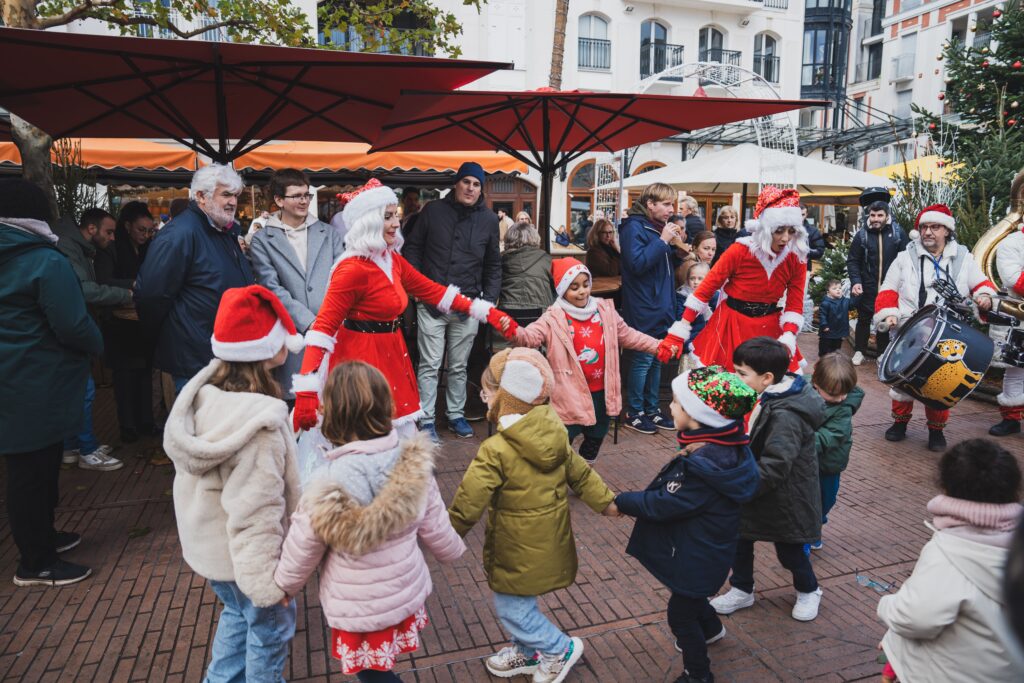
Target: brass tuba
984, 251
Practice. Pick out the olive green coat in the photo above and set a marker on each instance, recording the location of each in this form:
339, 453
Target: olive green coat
519, 476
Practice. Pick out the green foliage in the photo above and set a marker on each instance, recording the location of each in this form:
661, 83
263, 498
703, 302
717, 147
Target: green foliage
832, 267
421, 27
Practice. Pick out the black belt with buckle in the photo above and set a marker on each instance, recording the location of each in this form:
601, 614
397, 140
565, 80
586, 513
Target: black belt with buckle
373, 326
752, 309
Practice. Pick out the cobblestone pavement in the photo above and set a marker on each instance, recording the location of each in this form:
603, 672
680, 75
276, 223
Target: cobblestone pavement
144, 615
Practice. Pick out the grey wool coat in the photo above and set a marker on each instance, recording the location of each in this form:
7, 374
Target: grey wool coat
300, 290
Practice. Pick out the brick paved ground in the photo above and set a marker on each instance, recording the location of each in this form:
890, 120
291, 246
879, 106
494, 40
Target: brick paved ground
144, 615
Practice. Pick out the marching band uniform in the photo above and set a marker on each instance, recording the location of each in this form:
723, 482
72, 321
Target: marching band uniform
907, 288
1010, 266
754, 279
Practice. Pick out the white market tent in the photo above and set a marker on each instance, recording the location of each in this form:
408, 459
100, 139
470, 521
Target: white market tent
731, 169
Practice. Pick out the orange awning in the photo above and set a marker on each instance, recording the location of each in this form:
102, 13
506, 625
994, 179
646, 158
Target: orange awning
352, 156
122, 153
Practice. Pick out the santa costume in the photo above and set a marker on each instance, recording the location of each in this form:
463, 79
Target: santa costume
1010, 266
907, 288
369, 289
755, 279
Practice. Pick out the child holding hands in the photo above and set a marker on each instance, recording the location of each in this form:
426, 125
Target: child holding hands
582, 334
688, 518
519, 476
359, 520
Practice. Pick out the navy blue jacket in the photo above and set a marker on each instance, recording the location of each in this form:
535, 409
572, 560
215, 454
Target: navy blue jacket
688, 518
188, 266
648, 277
46, 338
834, 318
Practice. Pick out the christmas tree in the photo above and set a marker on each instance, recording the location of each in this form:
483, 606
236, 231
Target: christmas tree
831, 267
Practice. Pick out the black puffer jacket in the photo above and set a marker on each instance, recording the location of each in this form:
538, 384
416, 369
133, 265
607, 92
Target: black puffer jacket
457, 245
787, 507
871, 253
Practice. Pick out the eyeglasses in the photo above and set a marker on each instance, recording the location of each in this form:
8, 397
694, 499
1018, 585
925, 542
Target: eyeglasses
300, 197
930, 227
877, 586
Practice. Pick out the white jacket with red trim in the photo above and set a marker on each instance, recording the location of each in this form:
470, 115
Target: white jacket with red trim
901, 287
1010, 264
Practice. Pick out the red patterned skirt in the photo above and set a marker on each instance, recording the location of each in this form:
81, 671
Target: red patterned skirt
378, 650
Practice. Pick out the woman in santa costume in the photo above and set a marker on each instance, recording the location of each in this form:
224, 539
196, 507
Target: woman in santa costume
359, 319
755, 273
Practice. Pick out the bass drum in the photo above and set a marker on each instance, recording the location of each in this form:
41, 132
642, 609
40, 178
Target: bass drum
936, 357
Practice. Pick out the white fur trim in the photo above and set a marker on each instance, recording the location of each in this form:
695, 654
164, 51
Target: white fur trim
310, 382
900, 396
523, 380
320, 340
445, 304
915, 235
792, 317
885, 313
763, 253
681, 329
936, 217
295, 343
407, 419
568, 276
367, 201
251, 350
1010, 401
789, 340
694, 407
776, 217
506, 421
984, 289
479, 309
692, 302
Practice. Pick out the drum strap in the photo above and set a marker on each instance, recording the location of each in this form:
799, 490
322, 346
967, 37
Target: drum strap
957, 264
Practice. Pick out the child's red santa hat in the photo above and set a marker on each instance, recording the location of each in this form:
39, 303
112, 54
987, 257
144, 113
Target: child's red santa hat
936, 213
564, 271
252, 325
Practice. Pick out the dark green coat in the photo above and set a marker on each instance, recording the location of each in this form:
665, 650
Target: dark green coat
526, 279
787, 507
835, 436
46, 337
519, 476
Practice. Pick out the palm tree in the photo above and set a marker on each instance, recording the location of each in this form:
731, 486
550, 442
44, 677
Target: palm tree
558, 45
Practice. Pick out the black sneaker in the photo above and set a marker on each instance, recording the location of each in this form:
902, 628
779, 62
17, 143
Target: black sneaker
640, 423
936, 440
60, 573
1005, 428
66, 540
663, 421
897, 432
688, 677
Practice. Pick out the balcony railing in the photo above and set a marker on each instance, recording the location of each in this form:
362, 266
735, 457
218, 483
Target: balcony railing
772, 4
903, 67
717, 54
867, 71
595, 53
981, 39
656, 57
767, 67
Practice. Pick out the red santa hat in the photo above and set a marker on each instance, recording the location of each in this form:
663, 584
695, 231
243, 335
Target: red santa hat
564, 271
936, 213
252, 325
367, 198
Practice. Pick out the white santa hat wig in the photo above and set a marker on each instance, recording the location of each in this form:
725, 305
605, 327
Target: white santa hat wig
252, 325
777, 208
364, 217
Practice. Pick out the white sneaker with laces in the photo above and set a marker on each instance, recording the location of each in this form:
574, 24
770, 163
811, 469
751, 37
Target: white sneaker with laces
71, 457
806, 607
509, 662
554, 668
734, 600
100, 460
858, 358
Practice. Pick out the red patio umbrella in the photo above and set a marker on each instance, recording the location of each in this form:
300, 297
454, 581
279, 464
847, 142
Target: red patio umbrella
548, 129
221, 99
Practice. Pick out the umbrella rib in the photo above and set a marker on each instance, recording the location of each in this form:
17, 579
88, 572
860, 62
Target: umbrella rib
271, 112
521, 126
447, 117
74, 85
237, 152
489, 108
486, 136
595, 135
252, 77
222, 114
572, 118
171, 110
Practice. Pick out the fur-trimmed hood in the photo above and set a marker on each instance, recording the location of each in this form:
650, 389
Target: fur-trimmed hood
348, 527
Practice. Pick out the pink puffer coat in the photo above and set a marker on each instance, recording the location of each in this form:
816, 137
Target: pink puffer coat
374, 574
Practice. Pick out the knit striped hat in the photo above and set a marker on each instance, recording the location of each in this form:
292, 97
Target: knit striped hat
712, 396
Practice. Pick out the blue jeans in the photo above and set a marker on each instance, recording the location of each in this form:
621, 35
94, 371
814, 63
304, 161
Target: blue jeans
531, 631
829, 492
251, 644
85, 441
644, 382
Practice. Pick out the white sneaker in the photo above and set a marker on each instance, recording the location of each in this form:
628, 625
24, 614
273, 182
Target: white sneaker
554, 668
509, 662
806, 607
70, 457
734, 600
858, 358
100, 460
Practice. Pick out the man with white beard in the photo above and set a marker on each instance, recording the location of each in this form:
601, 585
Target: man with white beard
191, 262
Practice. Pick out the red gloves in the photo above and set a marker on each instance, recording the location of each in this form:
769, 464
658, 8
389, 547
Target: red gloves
305, 414
498, 319
670, 347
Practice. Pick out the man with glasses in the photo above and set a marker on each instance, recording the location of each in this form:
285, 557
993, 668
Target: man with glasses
292, 256
190, 263
934, 254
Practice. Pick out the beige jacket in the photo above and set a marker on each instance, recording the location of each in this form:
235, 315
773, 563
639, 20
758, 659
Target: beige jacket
236, 483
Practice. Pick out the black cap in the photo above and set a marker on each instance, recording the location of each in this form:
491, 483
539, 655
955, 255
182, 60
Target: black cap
874, 194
